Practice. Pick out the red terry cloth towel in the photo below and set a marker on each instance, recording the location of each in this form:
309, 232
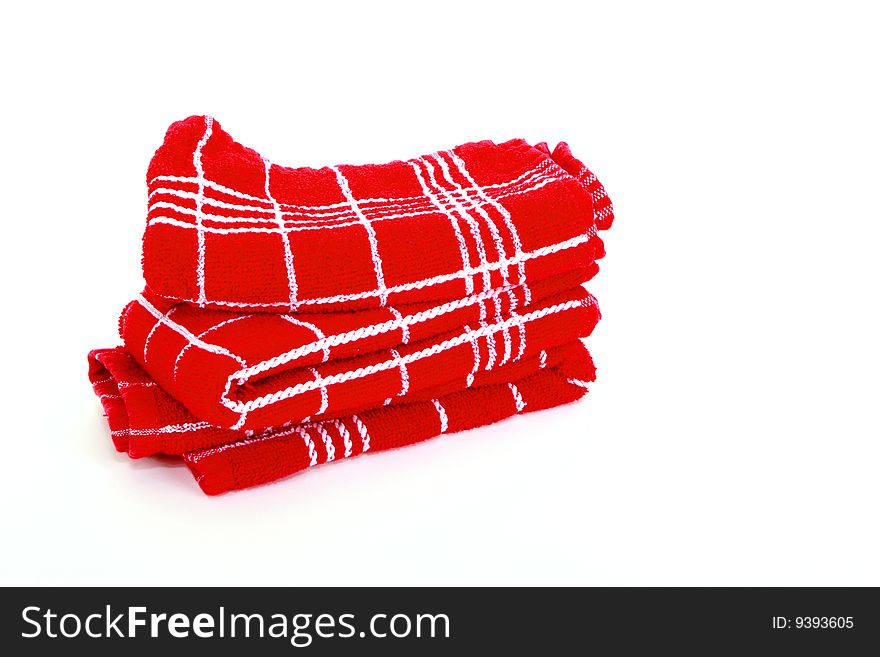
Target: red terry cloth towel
293, 316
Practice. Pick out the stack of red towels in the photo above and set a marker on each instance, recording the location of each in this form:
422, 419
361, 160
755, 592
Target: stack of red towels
297, 316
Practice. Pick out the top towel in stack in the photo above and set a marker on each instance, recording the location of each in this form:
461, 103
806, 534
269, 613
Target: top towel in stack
294, 316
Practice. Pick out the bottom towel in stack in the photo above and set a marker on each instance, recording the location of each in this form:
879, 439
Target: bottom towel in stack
145, 420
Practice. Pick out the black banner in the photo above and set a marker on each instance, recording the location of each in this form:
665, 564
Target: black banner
438, 621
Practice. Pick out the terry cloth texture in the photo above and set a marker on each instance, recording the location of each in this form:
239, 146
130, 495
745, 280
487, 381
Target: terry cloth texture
296, 316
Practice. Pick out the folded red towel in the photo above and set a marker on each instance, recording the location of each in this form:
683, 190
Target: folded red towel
285, 306
227, 229
253, 371
146, 420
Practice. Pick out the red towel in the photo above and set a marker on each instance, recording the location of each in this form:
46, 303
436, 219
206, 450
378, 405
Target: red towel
289, 309
228, 229
146, 420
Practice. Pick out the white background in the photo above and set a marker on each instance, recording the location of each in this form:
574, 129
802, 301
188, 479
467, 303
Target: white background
732, 436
